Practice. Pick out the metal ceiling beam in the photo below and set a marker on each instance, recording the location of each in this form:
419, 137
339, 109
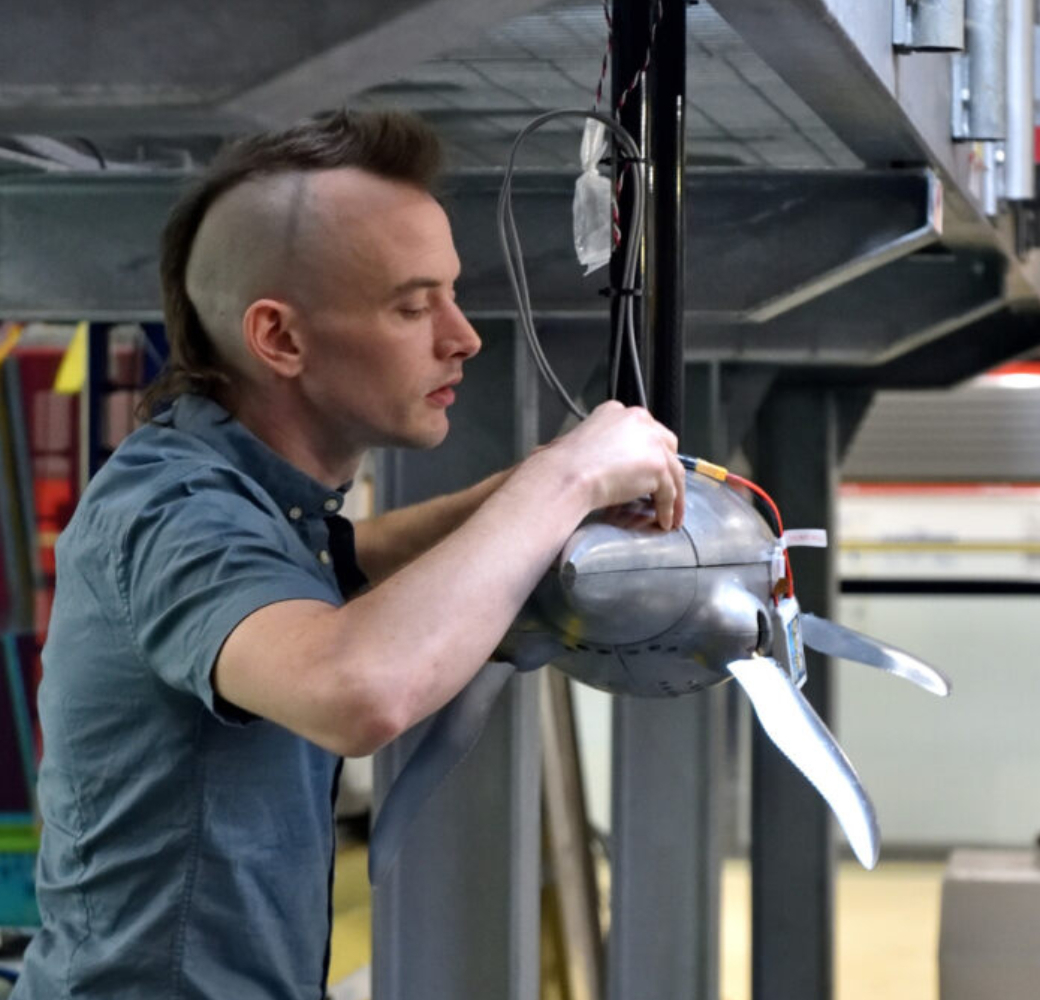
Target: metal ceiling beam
764, 242
760, 241
82, 246
86, 247
870, 321
121, 121
973, 348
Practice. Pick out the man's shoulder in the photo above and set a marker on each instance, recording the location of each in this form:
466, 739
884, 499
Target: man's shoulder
158, 466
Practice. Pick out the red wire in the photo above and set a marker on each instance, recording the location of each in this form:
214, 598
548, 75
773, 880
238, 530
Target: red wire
732, 477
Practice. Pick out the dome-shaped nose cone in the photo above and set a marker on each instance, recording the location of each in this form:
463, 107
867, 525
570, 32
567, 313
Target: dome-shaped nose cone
618, 584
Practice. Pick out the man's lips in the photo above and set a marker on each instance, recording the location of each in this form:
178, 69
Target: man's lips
444, 396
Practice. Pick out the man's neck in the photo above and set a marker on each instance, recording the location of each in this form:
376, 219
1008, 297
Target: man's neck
288, 435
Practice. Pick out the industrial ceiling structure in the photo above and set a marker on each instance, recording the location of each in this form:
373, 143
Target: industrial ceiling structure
834, 225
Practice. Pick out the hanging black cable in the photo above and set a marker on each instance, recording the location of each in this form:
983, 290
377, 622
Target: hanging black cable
630, 28
665, 102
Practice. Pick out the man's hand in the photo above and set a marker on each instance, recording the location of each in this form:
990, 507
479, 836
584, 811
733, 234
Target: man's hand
622, 453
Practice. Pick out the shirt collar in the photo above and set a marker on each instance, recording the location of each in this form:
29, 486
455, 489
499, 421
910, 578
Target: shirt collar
296, 493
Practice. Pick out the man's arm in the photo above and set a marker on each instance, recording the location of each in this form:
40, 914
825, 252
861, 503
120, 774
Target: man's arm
390, 541
355, 677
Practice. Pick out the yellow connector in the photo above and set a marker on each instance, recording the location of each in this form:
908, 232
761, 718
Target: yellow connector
712, 470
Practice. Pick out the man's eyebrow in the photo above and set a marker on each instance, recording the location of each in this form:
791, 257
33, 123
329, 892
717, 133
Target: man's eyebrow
413, 284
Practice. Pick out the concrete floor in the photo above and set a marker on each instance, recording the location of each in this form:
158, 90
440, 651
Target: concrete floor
887, 930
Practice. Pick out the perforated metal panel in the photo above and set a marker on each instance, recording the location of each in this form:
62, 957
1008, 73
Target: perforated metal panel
739, 112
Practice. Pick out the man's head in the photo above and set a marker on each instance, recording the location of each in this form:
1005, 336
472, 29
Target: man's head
259, 227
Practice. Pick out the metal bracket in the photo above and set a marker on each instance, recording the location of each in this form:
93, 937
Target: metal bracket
928, 25
960, 94
993, 178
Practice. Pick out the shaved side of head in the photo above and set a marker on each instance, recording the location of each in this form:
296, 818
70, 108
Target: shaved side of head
248, 248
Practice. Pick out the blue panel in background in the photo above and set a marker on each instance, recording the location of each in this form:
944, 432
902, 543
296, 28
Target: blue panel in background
17, 884
18, 836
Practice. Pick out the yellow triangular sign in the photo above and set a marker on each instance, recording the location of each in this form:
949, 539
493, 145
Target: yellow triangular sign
72, 372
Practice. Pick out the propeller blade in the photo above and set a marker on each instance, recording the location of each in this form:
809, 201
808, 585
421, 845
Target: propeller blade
446, 744
800, 734
836, 640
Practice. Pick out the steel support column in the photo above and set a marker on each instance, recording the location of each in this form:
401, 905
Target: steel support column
791, 839
663, 932
459, 915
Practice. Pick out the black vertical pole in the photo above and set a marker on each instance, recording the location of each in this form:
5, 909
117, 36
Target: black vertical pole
666, 118
652, 110
631, 30
663, 940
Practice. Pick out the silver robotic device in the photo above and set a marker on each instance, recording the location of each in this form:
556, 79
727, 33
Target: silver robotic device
631, 609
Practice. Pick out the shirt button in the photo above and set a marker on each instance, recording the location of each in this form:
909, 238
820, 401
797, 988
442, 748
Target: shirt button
332, 505
295, 513
324, 557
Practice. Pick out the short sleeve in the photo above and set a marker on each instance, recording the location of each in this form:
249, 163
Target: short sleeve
202, 555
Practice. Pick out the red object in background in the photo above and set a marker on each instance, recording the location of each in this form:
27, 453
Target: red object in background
52, 429
51, 425
1016, 368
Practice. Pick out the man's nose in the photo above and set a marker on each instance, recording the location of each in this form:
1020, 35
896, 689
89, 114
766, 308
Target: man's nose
455, 334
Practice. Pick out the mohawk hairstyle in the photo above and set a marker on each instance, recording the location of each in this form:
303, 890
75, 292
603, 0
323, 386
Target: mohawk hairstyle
389, 144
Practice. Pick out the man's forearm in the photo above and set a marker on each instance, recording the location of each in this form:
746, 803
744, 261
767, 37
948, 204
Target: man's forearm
364, 672
390, 541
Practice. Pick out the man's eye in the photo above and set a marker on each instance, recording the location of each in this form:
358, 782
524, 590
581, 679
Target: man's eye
412, 312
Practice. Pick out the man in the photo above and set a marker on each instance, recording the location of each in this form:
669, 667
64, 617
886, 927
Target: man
203, 675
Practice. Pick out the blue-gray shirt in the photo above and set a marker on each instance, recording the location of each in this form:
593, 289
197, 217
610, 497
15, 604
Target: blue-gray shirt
186, 847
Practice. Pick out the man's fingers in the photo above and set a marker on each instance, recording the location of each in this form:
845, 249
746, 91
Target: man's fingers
664, 505
680, 492
666, 497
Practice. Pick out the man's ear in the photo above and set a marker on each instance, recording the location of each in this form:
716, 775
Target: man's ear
270, 332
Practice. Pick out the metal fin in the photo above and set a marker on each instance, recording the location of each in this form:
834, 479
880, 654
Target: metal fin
800, 734
836, 640
447, 743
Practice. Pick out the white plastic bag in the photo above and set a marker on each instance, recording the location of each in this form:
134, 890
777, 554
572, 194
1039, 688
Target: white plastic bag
592, 201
